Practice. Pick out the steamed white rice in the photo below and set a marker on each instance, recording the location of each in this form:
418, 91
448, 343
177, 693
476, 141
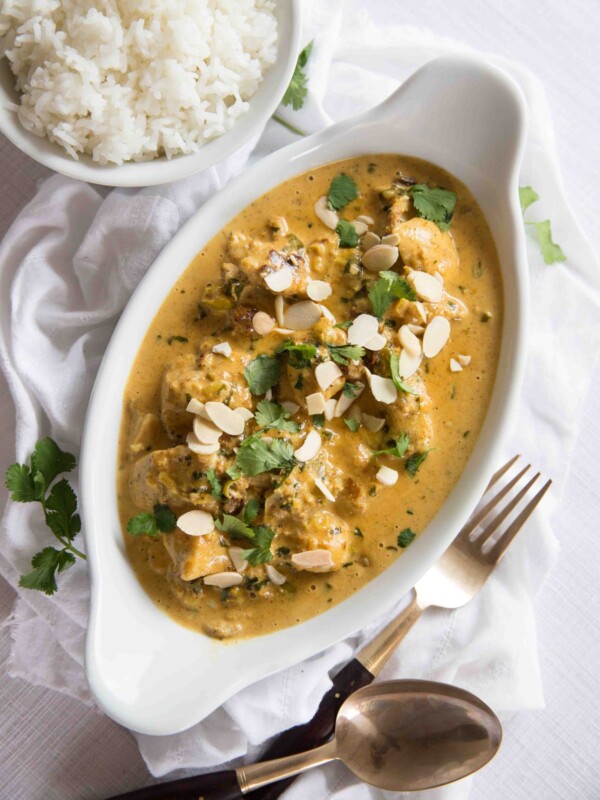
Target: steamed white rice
130, 80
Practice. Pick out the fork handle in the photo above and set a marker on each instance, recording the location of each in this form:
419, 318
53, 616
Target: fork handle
375, 653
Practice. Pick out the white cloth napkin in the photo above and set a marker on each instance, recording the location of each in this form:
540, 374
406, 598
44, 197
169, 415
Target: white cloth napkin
67, 267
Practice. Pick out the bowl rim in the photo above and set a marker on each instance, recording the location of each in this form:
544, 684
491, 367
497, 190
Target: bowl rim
356, 611
261, 107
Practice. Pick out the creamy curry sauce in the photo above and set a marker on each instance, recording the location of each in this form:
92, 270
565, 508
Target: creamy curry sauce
359, 528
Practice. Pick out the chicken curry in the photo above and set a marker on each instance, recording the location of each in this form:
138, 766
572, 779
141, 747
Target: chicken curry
308, 394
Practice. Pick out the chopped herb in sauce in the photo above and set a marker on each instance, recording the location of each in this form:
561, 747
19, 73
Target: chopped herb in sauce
343, 190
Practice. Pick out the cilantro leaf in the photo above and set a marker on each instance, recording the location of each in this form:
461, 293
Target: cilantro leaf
161, 520
252, 510
235, 527
352, 424
344, 325
351, 389
166, 521
19, 482
399, 449
527, 196
261, 553
389, 287
61, 516
216, 490
342, 353
48, 460
45, 565
405, 537
434, 204
299, 355
395, 373
551, 251
347, 233
342, 191
296, 92
262, 373
318, 420
272, 415
257, 455
413, 463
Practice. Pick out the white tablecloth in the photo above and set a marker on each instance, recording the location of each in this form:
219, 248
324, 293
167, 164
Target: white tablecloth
52, 747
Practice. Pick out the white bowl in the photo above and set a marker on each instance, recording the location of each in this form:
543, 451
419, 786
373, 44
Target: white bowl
146, 671
162, 170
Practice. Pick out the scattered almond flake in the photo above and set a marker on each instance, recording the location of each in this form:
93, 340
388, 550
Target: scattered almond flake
367, 220
355, 413
409, 341
378, 342
326, 373
455, 366
435, 337
369, 240
224, 579
373, 424
324, 490
235, 554
464, 360
438, 278
269, 394
314, 560
222, 349
416, 329
199, 448
387, 476
195, 406
205, 431
380, 257
283, 331
328, 217
408, 363
318, 290
330, 409
315, 403
280, 310
327, 314
421, 310
458, 303
244, 413
196, 523
290, 407
343, 403
426, 286
360, 227
302, 316
309, 448
363, 329
262, 323
274, 575
224, 418
391, 238
383, 389
279, 281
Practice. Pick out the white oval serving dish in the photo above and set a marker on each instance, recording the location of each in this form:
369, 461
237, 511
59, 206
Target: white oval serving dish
146, 671
163, 170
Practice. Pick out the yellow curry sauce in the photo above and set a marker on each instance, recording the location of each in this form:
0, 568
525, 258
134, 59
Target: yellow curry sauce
332, 505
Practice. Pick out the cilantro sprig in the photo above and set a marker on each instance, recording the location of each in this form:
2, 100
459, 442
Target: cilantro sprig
343, 353
299, 354
161, 520
434, 204
551, 251
262, 373
347, 233
398, 449
395, 373
388, 288
34, 483
261, 552
295, 94
241, 527
343, 190
216, 490
272, 415
257, 454
413, 463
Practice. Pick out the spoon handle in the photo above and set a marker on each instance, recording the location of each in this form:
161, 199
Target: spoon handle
222, 785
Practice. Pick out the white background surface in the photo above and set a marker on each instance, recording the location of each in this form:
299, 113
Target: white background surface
52, 747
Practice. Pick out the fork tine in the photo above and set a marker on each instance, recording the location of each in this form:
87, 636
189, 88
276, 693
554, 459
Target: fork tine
479, 516
504, 513
502, 471
504, 542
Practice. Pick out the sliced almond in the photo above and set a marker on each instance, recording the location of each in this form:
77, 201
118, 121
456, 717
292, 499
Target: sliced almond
309, 448
330, 409
343, 403
235, 554
426, 286
280, 310
464, 360
360, 227
324, 490
416, 329
196, 523
269, 394
223, 579
325, 214
392, 238
318, 290
378, 342
222, 349
290, 407
224, 418
327, 314
367, 220
279, 281
274, 575
302, 316
421, 310
315, 403
262, 323
199, 448
373, 424
408, 363
355, 413
380, 257
326, 373
435, 337
315, 560
205, 431
195, 406
409, 341
387, 476
455, 366
369, 240
283, 331
383, 389
438, 278
363, 329
244, 413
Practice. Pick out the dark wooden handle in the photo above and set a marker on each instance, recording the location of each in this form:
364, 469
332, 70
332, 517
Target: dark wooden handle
211, 786
316, 731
